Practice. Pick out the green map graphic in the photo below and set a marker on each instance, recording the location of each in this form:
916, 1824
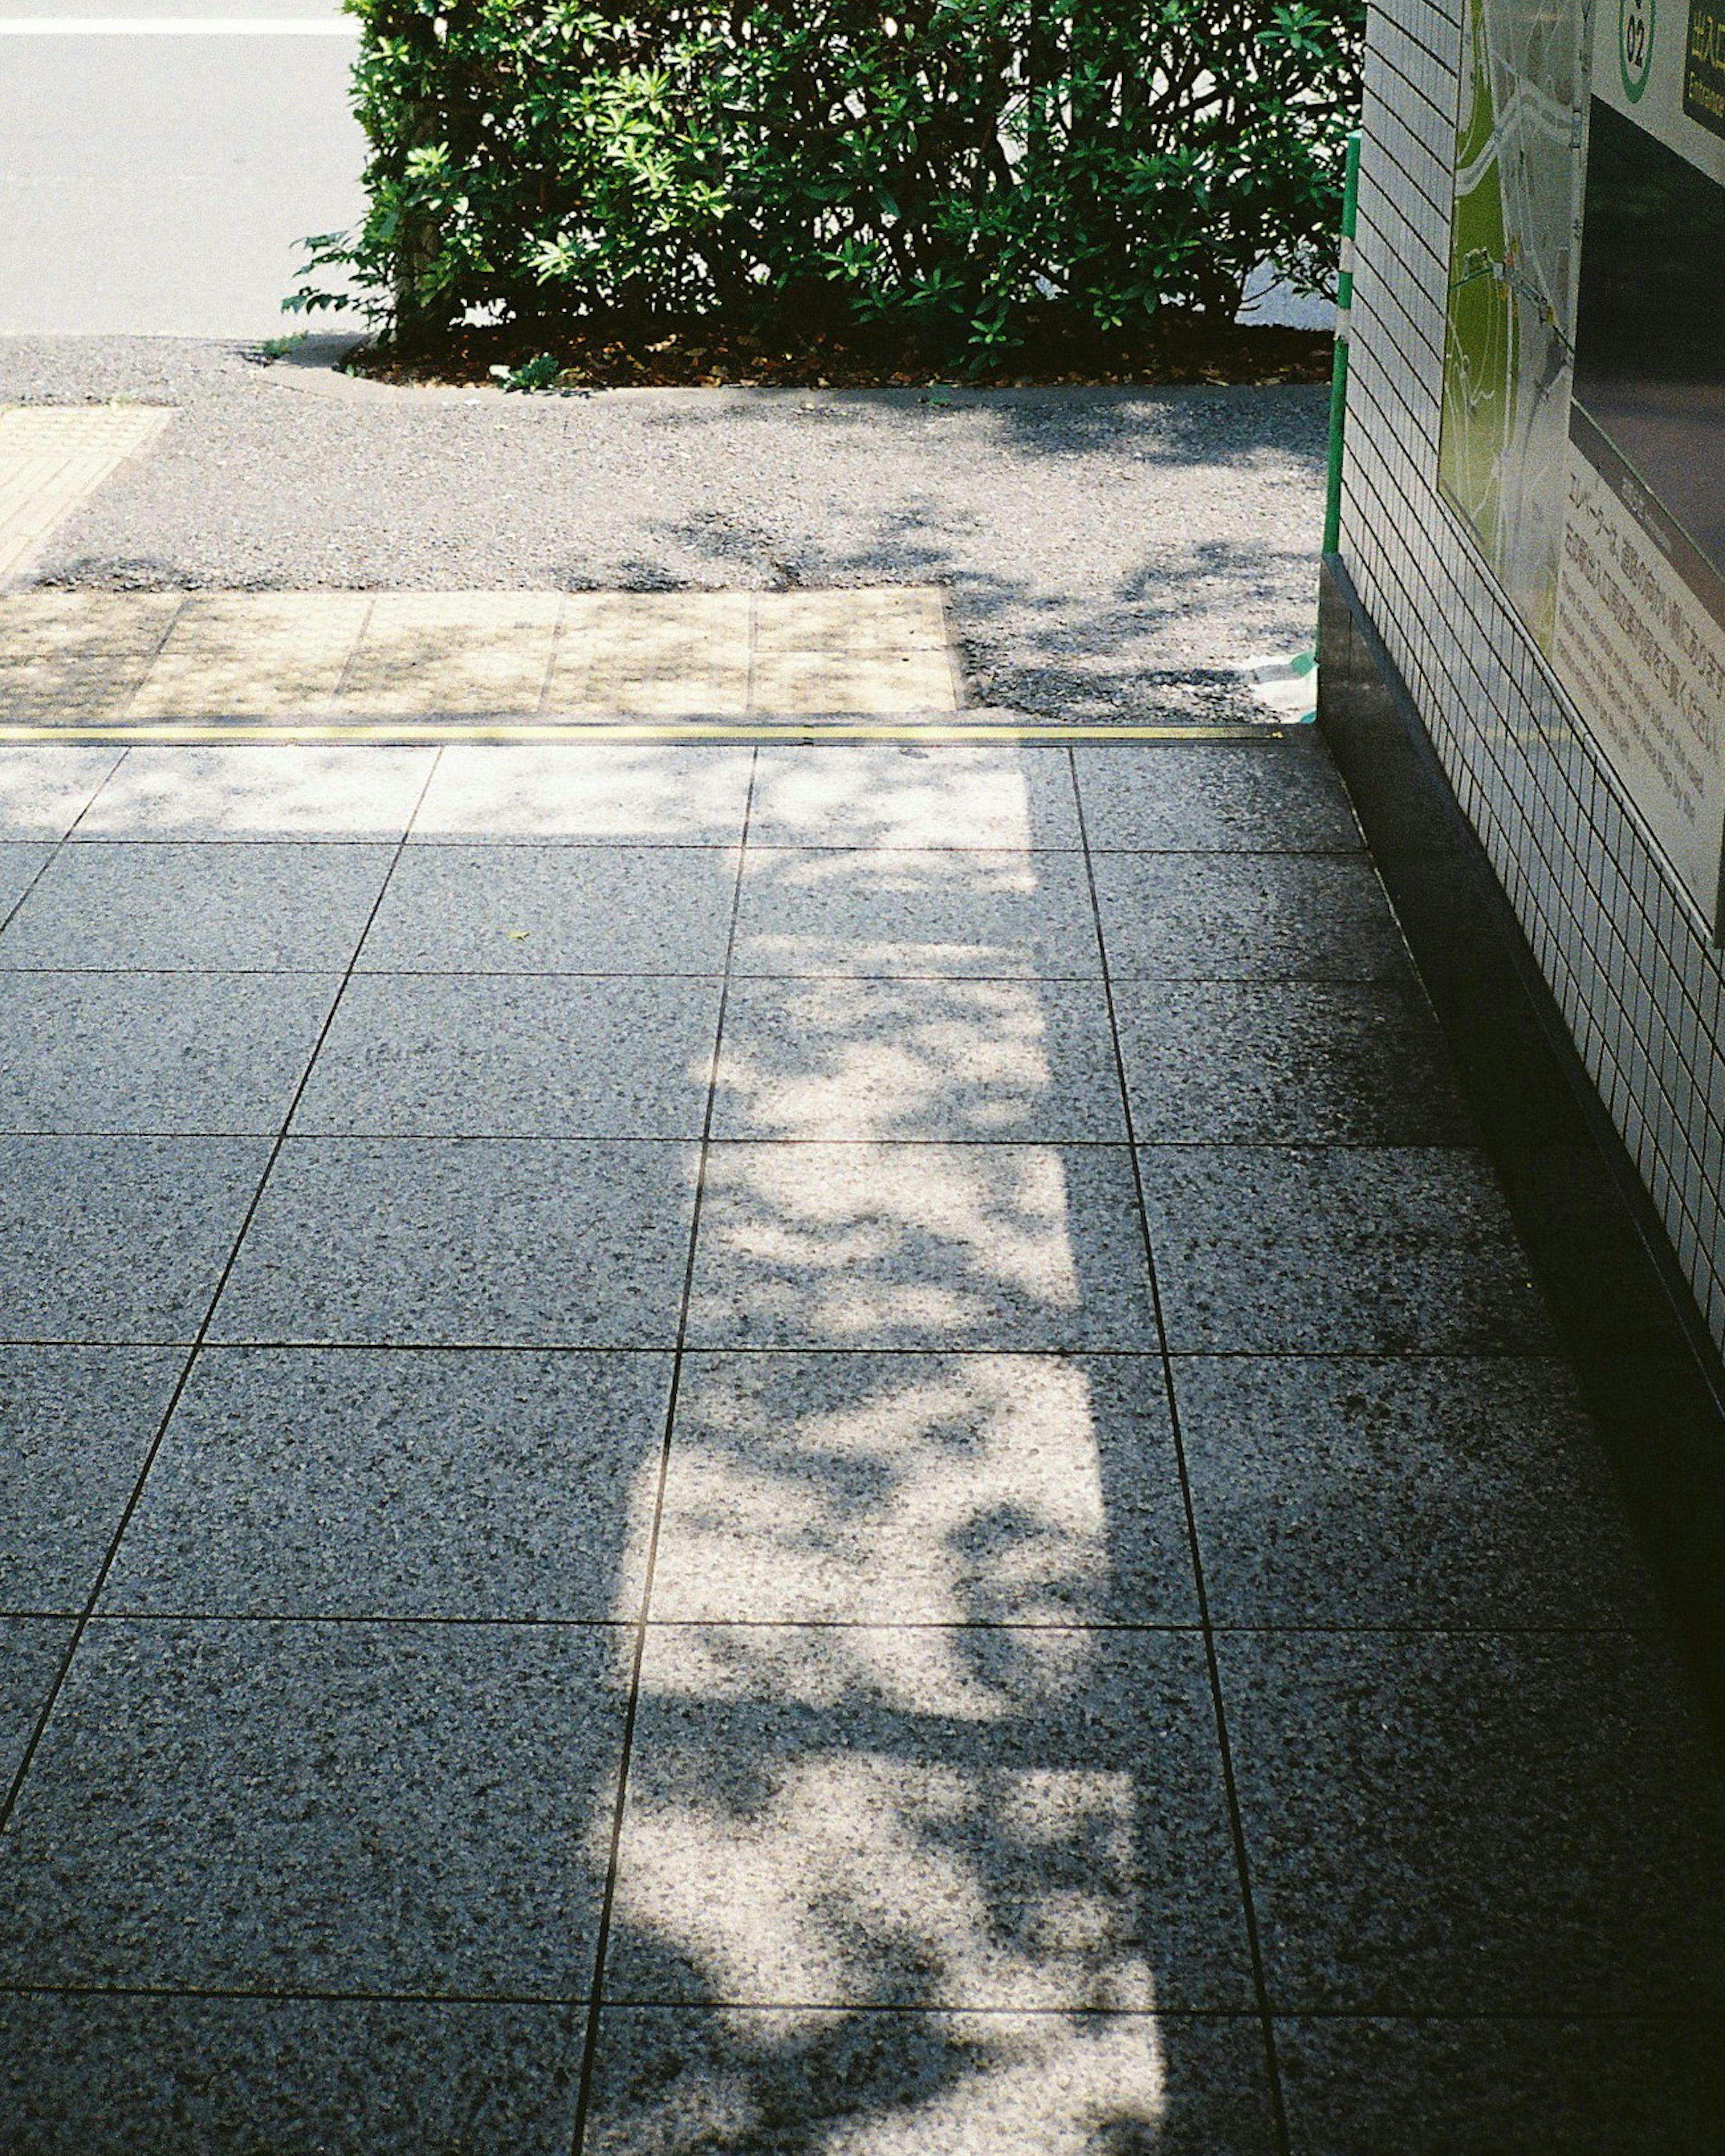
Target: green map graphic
1509, 342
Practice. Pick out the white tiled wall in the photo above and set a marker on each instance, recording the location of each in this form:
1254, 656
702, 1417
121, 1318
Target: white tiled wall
1640, 986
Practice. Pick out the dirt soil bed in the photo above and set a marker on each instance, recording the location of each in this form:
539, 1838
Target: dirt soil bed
707, 354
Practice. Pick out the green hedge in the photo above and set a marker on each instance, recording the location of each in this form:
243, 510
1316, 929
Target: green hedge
947, 171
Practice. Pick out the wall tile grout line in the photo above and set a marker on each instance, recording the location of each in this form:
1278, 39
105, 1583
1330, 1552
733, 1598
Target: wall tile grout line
1213, 1666
590, 2043
9, 1803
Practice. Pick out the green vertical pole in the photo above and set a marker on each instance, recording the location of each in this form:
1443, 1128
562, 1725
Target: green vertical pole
1338, 365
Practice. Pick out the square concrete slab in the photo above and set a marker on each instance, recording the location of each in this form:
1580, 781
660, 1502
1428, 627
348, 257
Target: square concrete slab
454, 654
1247, 917
1447, 1492
543, 1056
926, 1490
115, 1237
885, 684
1275, 797
327, 1808
1294, 1062
944, 795
108, 2074
670, 2079
1477, 1823
1601, 2086
220, 1053
41, 627
872, 911
943, 1819
850, 622
68, 692
252, 655
45, 791
76, 1424
30, 1651
257, 791
362, 1482
204, 909
1402, 1250
519, 1242
929, 1246
587, 794
555, 909
952, 1058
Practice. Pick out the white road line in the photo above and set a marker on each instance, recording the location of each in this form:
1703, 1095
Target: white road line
178, 26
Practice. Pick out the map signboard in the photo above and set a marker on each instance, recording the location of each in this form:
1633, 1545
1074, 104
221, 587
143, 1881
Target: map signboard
1583, 420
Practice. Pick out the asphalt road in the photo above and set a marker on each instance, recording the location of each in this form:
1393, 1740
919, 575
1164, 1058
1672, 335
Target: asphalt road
159, 184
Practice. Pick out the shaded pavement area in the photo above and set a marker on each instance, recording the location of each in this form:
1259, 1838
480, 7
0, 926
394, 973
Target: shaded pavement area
794, 1449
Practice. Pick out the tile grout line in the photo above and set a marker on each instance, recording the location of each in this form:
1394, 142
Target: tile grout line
590, 2043
57, 848
1267, 2020
8, 1804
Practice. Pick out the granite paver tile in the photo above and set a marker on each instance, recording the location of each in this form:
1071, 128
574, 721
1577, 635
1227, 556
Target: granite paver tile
118, 1238
550, 908
850, 621
885, 684
878, 2084
1247, 917
1398, 1251
465, 1241
450, 653
1477, 1823
870, 794
76, 1424
307, 1482
327, 1808
538, 1056
22, 860
1286, 1063
947, 1059
47, 625
970, 1817
1441, 1492
913, 1489
880, 911
113, 2074
657, 654
44, 790
30, 1651
585, 793
252, 655
1610, 2084
205, 908
259, 792
929, 1245
1276, 797
220, 1053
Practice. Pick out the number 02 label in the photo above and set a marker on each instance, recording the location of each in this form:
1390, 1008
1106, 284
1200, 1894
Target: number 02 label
1634, 44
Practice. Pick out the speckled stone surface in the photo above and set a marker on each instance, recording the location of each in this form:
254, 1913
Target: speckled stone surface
220, 1054
587, 794
75, 1424
1234, 799
118, 1238
1247, 917
475, 1242
1378, 1250
923, 1489
342, 1809
874, 794
118, 2074
30, 1651
949, 1059
767, 2083
1004, 914
22, 861
983, 1817
44, 792
545, 1055
821, 1245
365, 1482
203, 908
256, 793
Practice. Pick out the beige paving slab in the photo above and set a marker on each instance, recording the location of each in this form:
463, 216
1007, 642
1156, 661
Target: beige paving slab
53, 457
451, 653
883, 683
656, 654
253, 656
850, 624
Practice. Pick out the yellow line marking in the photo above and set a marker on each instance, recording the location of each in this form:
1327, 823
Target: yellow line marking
732, 731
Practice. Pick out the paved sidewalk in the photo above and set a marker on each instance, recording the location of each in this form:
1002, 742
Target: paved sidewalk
610, 1541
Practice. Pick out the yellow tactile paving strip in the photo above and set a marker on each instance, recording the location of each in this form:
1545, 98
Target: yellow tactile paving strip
103, 662
53, 457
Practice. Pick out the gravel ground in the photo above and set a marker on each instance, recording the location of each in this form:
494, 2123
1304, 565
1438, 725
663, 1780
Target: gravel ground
1109, 553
